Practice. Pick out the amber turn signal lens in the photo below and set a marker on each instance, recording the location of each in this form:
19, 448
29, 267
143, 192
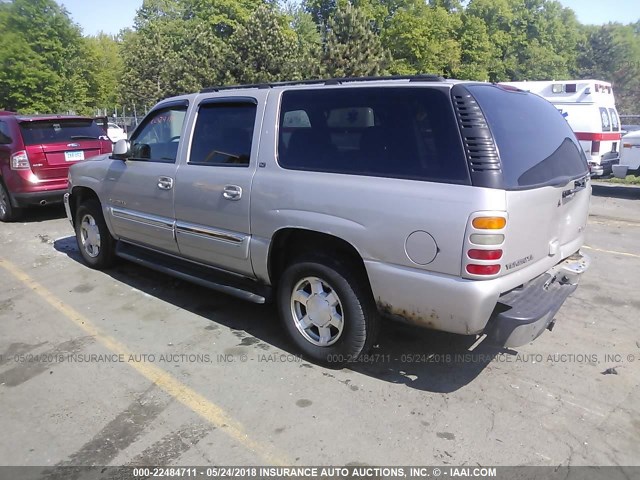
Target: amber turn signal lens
489, 223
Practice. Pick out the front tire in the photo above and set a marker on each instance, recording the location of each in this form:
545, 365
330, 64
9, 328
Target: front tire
95, 242
8, 213
327, 309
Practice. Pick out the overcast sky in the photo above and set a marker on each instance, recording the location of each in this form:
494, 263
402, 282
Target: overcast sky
110, 16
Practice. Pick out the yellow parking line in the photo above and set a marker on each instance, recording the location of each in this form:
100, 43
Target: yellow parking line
611, 251
181, 392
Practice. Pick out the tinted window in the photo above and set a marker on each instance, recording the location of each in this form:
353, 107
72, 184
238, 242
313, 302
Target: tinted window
615, 123
36, 132
535, 142
158, 137
5, 136
604, 117
393, 132
223, 134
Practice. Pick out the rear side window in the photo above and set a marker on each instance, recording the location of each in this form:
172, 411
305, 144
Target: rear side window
615, 122
5, 135
392, 132
223, 134
59, 130
535, 142
604, 118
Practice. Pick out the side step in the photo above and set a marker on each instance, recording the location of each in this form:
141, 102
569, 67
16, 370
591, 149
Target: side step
208, 277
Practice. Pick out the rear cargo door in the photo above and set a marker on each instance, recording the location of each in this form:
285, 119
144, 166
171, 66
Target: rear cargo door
545, 176
52, 145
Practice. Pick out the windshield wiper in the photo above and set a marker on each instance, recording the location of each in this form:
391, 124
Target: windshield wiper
79, 137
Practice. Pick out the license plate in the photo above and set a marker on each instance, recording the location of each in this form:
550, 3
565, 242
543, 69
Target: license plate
74, 156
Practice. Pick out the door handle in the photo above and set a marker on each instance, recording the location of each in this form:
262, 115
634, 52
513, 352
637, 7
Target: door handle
232, 192
165, 183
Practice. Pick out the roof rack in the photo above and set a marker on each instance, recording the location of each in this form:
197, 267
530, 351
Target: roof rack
329, 81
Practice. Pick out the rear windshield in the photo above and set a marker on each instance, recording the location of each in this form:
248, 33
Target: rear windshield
59, 130
535, 142
392, 132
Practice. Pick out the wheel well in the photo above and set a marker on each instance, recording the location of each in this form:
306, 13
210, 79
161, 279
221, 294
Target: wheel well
6, 189
289, 243
79, 195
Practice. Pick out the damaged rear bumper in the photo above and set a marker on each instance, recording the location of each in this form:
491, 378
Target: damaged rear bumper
524, 313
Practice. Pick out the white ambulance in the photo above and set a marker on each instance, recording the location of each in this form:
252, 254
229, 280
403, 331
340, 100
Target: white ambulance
590, 108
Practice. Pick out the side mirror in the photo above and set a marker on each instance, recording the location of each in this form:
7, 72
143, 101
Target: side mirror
122, 149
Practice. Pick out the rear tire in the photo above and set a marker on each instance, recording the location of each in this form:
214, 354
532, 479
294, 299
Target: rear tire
8, 213
95, 242
327, 309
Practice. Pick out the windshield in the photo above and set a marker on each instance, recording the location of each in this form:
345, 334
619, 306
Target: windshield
59, 130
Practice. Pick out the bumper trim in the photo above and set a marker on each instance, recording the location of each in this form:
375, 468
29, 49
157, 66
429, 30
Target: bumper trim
523, 314
29, 199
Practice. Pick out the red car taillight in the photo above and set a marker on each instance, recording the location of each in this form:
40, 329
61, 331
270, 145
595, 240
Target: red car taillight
20, 161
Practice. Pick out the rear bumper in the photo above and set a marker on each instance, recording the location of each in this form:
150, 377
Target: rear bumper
42, 197
468, 307
523, 314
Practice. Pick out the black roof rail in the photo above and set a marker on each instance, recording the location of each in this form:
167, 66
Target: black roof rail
328, 81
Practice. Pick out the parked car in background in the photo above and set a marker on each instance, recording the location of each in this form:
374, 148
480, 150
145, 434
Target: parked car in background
115, 132
590, 108
629, 128
630, 155
35, 155
456, 206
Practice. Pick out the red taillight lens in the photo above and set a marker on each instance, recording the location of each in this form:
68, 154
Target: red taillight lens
483, 269
485, 254
595, 147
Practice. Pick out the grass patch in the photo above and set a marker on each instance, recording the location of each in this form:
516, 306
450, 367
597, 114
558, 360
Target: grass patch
628, 180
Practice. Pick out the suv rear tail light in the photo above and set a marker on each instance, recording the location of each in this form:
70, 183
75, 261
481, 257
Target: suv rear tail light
595, 147
20, 161
483, 269
485, 235
477, 254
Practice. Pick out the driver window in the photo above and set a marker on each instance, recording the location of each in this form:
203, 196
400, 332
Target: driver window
159, 137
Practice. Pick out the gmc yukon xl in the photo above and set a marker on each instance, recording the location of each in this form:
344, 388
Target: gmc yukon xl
456, 206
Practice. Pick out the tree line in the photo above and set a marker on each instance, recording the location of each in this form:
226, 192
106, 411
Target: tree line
181, 46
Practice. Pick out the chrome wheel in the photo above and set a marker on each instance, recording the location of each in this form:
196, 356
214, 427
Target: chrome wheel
90, 236
317, 311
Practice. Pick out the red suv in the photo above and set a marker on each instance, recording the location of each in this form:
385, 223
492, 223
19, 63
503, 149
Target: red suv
35, 155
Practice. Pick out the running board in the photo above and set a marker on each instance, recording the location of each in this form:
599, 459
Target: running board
208, 277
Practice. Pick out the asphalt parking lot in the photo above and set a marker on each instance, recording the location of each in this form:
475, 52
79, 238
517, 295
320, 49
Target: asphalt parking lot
130, 367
